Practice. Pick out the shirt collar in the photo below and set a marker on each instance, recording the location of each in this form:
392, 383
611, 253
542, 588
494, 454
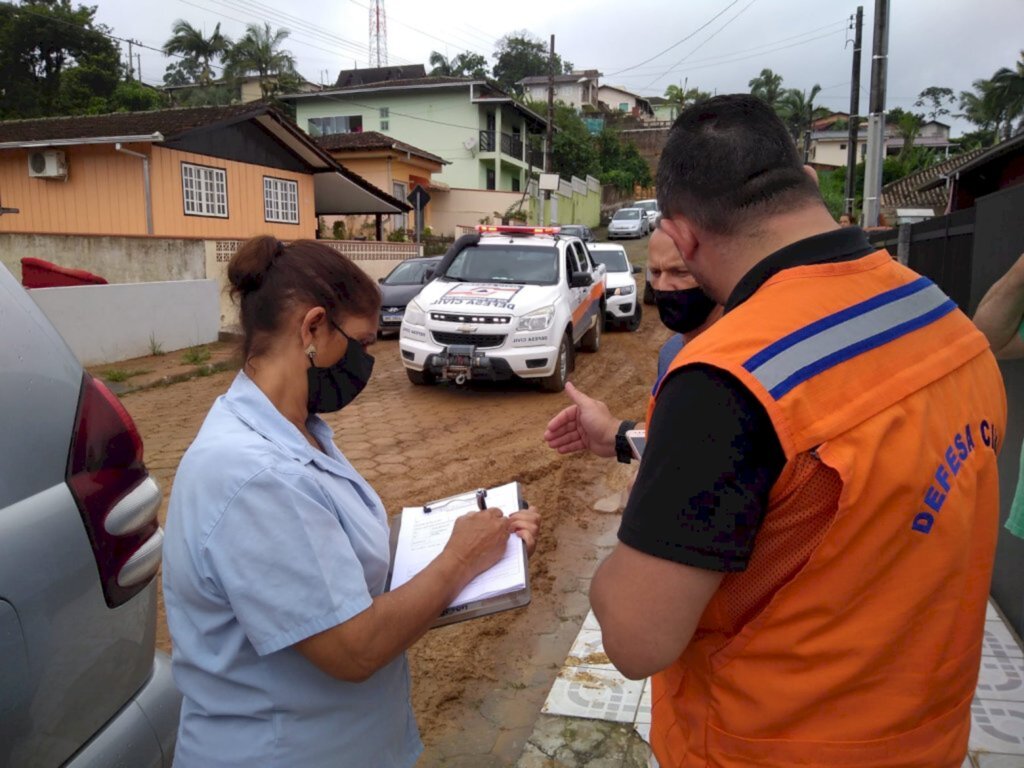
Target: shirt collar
249, 403
844, 244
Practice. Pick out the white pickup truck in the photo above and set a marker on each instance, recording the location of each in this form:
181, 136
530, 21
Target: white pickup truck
505, 302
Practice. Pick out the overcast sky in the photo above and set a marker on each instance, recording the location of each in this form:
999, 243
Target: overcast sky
946, 42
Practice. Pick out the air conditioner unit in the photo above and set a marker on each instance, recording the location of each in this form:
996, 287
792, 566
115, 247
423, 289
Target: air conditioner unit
470, 143
49, 164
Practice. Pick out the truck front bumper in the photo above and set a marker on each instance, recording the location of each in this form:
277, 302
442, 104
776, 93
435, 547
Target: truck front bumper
462, 363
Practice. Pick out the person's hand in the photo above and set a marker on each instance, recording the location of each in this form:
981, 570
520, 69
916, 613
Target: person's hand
526, 525
479, 539
587, 424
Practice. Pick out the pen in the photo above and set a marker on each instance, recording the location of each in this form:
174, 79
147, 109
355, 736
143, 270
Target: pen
481, 499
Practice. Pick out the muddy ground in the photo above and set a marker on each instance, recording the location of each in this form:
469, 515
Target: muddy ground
417, 443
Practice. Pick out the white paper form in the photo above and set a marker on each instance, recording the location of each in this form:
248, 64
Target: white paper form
424, 534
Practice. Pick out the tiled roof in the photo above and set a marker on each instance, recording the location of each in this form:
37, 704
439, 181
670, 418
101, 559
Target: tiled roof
411, 81
906, 192
348, 77
168, 122
370, 140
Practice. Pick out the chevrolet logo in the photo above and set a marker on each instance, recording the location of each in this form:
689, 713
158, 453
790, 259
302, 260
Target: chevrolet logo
466, 329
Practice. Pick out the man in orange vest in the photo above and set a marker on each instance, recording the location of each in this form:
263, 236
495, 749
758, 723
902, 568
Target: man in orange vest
804, 561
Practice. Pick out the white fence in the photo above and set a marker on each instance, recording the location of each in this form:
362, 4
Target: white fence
108, 323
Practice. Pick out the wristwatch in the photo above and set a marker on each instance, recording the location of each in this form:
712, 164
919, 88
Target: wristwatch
622, 450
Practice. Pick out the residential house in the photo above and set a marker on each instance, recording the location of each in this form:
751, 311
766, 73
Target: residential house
915, 196
578, 90
618, 99
478, 129
200, 172
389, 164
993, 169
828, 146
370, 75
665, 111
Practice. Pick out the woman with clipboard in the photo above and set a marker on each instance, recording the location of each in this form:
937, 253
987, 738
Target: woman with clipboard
287, 650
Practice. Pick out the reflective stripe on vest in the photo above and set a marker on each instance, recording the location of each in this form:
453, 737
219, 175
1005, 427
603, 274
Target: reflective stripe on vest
834, 339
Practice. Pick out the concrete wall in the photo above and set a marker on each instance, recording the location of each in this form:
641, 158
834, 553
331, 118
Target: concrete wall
118, 259
466, 207
107, 323
833, 153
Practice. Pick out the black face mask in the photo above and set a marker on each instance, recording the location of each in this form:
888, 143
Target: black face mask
684, 311
331, 389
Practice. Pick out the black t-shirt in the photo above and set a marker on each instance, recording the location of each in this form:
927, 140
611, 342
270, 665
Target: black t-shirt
712, 454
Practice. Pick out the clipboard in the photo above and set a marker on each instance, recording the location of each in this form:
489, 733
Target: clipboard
454, 614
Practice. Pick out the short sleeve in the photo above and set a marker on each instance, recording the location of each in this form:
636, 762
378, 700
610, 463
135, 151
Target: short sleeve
283, 561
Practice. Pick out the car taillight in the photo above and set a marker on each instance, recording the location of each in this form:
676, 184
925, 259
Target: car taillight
114, 492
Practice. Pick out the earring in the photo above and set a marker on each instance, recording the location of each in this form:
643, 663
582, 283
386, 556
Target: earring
311, 352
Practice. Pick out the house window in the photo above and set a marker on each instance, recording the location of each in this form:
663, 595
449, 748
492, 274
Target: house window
842, 147
623, 106
280, 200
400, 220
515, 183
385, 113
205, 190
384, 125
490, 178
326, 126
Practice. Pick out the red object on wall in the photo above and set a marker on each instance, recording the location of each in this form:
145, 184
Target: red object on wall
36, 273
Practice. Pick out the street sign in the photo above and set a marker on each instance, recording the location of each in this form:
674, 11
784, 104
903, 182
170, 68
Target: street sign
418, 197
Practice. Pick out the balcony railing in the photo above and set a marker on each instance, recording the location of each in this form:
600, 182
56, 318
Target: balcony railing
509, 143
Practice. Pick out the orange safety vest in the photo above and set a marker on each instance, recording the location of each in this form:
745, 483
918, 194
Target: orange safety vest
853, 638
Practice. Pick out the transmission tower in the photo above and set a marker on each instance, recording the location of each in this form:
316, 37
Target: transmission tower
378, 34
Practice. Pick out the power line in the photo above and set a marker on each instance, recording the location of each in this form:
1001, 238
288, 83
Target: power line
706, 41
678, 42
833, 27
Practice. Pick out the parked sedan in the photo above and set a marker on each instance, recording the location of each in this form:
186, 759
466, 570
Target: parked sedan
577, 230
650, 208
400, 287
622, 307
628, 222
81, 682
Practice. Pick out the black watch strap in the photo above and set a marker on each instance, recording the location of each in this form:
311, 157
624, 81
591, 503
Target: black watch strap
622, 450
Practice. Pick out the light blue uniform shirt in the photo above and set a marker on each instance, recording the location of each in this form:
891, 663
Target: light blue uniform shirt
269, 541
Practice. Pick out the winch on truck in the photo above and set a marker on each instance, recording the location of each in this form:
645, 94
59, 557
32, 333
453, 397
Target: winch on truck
505, 302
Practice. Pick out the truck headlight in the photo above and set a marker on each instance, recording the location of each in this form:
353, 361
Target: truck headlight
624, 290
414, 315
538, 320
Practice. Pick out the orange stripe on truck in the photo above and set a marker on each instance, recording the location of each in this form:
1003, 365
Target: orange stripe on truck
595, 295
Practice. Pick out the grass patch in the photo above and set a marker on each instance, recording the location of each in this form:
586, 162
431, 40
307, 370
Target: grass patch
196, 355
123, 374
155, 347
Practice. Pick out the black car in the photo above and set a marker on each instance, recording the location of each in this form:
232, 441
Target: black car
400, 287
577, 230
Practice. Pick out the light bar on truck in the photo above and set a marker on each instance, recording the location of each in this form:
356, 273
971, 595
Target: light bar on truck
503, 229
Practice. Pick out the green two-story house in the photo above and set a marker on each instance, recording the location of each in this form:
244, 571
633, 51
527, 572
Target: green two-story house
478, 129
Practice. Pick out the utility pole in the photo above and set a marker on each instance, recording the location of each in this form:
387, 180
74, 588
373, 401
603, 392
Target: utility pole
876, 116
854, 130
551, 106
131, 59
138, 60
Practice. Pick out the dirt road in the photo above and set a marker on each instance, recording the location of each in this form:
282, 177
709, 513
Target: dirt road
416, 443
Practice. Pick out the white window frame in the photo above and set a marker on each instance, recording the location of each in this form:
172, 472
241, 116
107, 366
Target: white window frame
204, 190
280, 200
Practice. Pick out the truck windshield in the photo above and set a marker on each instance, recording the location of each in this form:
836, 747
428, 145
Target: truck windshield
534, 265
614, 260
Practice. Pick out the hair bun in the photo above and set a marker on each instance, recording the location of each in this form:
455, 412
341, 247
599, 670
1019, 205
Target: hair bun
248, 267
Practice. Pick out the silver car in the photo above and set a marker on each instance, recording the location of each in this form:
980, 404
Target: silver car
628, 222
651, 209
81, 683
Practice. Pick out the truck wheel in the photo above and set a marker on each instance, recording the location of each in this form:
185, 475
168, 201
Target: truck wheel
591, 341
634, 322
419, 378
556, 381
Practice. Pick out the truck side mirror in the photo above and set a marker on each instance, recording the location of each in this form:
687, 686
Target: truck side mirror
581, 280
636, 269
429, 275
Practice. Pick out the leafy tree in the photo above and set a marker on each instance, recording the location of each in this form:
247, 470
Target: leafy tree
133, 96
982, 107
259, 53
461, 65
767, 86
54, 60
797, 110
675, 94
1008, 91
519, 55
573, 152
196, 47
936, 100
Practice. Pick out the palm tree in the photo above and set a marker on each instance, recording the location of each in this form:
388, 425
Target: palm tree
797, 110
442, 67
1008, 92
684, 97
189, 42
983, 107
259, 52
767, 86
